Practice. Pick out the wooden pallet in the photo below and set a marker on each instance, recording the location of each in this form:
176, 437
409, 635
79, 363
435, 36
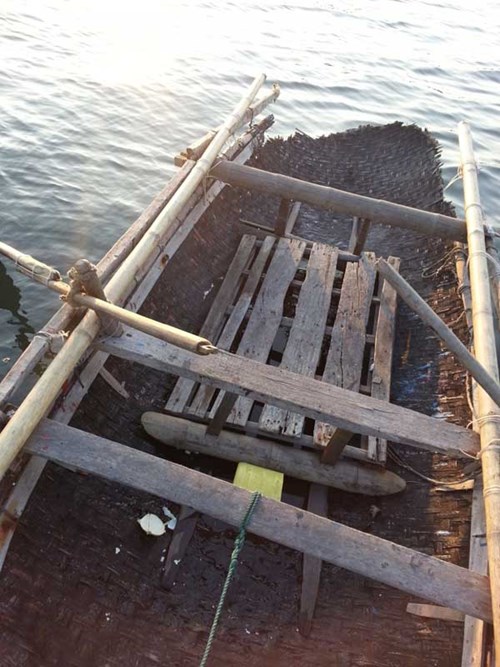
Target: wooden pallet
283, 302
294, 303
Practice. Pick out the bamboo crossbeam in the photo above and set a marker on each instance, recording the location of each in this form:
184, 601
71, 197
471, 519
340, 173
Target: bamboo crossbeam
43, 394
366, 554
159, 330
488, 417
429, 317
322, 196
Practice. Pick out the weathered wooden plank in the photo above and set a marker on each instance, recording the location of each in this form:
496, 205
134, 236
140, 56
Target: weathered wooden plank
204, 395
292, 218
311, 565
303, 348
433, 611
363, 553
382, 356
321, 196
183, 532
359, 234
475, 630
346, 475
344, 361
319, 400
267, 312
215, 318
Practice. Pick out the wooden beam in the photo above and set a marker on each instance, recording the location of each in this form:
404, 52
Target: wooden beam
346, 475
322, 196
318, 400
359, 234
363, 553
317, 503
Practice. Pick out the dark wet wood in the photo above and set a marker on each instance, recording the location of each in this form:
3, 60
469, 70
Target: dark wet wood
283, 215
317, 503
183, 533
384, 212
398, 566
318, 400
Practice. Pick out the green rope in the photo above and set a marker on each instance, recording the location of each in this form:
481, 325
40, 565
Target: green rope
238, 546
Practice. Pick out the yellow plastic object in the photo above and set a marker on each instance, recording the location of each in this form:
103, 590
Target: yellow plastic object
254, 478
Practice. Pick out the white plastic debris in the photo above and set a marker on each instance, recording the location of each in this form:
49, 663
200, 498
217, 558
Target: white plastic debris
171, 524
117, 550
176, 562
152, 525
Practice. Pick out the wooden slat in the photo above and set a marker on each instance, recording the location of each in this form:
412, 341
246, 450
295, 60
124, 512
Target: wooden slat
319, 400
267, 312
345, 357
359, 234
303, 348
215, 318
311, 565
382, 356
204, 395
183, 532
363, 553
475, 630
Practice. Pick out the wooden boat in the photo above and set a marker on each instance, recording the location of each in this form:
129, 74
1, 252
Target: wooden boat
300, 377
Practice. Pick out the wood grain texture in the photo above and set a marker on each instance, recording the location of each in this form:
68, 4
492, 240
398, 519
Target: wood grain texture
382, 356
344, 361
318, 400
414, 572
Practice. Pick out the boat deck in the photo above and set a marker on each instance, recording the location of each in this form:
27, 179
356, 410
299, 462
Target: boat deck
82, 585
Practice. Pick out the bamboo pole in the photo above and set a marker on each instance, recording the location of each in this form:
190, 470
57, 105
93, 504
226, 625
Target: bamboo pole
39, 272
195, 150
43, 394
429, 317
322, 196
488, 418
193, 210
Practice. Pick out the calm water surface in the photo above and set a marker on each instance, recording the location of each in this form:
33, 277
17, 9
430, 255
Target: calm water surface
96, 97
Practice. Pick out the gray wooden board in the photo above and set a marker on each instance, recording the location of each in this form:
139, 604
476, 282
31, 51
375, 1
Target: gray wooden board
311, 565
318, 400
215, 318
382, 356
201, 401
303, 348
345, 357
411, 571
267, 312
